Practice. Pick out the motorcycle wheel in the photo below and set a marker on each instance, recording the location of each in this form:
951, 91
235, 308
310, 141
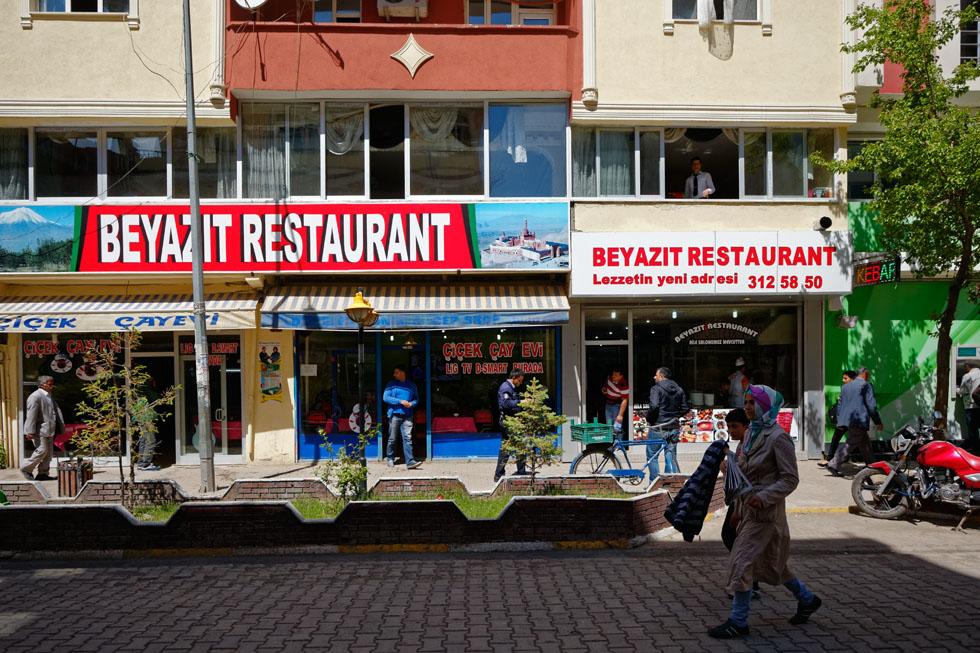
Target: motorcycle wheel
864, 491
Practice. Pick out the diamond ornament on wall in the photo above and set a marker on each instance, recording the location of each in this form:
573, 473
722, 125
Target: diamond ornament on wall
412, 55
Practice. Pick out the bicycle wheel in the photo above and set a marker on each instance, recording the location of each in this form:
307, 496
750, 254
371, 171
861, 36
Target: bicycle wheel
595, 462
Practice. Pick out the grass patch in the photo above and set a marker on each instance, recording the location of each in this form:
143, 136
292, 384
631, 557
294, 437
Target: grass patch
479, 507
160, 512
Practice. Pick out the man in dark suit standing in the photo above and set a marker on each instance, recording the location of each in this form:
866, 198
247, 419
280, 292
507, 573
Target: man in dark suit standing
858, 408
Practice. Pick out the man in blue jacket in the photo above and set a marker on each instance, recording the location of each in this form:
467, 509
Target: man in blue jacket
401, 396
858, 408
508, 400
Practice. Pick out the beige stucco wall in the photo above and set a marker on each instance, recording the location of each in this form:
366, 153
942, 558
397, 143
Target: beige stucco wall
271, 430
74, 57
798, 65
721, 215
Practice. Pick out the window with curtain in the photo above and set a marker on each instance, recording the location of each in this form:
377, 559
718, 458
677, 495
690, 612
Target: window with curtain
304, 149
344, 127
616, 162
819, 180
66, 163
13, 164
788, 163
264, 150
741, 9
527, 150
216, 168
583, 162
136, 163
446, 150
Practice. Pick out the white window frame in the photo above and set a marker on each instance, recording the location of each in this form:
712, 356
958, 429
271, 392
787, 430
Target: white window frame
104, 164
333, 11
517, 14
763, 18
31, 11
637, 176
409, 195
288, 154
100, 173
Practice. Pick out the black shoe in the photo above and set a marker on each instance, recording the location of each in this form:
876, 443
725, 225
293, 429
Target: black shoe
728, 630
524, 473
27, 475
833, 472
804, 610
44, 477
496, 478
823, 463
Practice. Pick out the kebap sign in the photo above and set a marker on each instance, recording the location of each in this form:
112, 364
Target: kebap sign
711, 263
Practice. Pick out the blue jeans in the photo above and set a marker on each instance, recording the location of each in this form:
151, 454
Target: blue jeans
670, 452
612, 412
404, 424
742, 601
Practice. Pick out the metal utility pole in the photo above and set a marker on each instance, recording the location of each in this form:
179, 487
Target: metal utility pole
204, 446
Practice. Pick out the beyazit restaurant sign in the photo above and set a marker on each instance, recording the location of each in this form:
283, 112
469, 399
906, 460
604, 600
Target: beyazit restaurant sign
711, 263
324, 237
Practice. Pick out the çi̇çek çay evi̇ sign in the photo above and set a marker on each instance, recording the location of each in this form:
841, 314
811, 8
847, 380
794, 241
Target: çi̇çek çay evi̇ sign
711, 263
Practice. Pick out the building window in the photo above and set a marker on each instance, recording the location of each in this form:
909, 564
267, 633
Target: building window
503, 12
446, 150
743, 10
387, 151
217, 169
83, 6
859, 182
136, 164
303, 152
613, 153
344, 127
66, 162
264, 150
527, 150
718, 151
969, 48
14, 144
337, 11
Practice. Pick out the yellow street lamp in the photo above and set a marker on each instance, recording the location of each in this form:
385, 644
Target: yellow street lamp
361, 313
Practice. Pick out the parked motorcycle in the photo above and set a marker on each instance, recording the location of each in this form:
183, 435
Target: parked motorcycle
943, 472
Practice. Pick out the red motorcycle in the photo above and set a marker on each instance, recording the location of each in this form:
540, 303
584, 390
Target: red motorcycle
943, 472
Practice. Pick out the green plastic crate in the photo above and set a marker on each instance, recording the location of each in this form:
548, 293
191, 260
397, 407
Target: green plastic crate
594, 432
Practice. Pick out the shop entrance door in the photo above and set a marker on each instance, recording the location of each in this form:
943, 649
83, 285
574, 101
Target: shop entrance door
225, 380
160, 367
600, 360
409, 351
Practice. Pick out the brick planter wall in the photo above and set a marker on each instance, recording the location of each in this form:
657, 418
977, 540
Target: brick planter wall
567, 484
404, 487
147, 492
24, 492
278, 490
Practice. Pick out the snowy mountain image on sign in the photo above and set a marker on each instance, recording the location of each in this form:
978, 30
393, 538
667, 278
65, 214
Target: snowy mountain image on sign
36, 238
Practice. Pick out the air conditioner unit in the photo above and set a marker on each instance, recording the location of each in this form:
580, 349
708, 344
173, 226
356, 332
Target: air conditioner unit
417, 8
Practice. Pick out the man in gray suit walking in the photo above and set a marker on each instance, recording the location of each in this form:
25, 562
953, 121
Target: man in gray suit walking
42, 422
858, 408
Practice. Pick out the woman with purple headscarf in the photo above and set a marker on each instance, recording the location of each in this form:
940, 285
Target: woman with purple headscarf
761, 549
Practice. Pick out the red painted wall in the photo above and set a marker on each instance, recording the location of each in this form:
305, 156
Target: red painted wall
276, 53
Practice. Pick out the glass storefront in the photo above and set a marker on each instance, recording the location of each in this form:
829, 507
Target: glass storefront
701, 345
457, 373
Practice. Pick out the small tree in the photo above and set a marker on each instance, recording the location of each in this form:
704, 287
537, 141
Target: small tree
532, 430
118, 412
927, 170
343, 467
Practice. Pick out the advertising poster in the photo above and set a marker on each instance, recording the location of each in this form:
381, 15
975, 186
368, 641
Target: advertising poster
37, 238
270, 374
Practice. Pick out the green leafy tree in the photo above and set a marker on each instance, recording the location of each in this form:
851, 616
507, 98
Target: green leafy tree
343, 467
532, 430
117, 412
927, 169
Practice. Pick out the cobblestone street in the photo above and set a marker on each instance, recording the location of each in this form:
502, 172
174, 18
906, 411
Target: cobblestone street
659, 597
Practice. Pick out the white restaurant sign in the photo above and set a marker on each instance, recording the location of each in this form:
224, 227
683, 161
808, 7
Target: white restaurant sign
711, 263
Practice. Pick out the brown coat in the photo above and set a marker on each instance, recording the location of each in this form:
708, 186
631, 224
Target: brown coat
761, 549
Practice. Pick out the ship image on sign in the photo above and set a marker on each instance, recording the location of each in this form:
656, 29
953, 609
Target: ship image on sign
540, 238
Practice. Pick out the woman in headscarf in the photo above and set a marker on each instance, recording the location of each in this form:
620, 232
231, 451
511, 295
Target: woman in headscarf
761, 549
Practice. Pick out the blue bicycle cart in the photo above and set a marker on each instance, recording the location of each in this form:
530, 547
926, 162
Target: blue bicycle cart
602, 449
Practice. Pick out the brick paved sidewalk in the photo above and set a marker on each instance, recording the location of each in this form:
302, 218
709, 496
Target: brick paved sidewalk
660, 597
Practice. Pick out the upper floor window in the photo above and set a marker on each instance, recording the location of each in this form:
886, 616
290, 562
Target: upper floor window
741, 9
504, 12
968, 35
337, 11
83, 6
742, 163
13, 164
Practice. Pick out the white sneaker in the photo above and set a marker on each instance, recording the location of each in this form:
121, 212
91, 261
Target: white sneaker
391, 463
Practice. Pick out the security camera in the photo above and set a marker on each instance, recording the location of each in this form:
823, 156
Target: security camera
822, 224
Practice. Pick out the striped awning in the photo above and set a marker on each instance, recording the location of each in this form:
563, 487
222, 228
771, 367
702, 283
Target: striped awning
417, 306
82, 313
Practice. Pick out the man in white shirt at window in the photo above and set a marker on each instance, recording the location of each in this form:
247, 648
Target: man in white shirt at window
699, 185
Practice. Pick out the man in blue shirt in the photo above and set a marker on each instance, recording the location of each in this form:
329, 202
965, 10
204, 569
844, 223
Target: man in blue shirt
509, 402
401, 396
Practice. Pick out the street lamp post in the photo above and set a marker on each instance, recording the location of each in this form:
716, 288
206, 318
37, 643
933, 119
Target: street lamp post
361, 313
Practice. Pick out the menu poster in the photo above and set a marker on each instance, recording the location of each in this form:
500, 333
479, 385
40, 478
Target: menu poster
270, 375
